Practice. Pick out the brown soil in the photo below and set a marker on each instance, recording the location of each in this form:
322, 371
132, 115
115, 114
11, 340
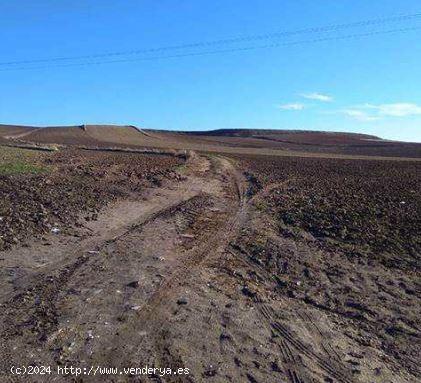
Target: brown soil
244, 141
70, 182
216, 269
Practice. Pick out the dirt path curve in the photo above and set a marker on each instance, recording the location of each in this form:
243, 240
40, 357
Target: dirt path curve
19, 135
23, 263
79, 300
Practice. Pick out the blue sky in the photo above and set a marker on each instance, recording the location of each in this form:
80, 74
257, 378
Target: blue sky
370, 85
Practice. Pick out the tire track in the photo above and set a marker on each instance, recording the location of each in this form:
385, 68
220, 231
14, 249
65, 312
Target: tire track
334, 371
326, 346
33, 308
291, 362
43, 292
335, 368
94, 245
151, 315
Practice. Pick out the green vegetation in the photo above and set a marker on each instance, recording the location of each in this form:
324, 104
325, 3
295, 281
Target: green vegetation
181, 168
20, 168
20, 161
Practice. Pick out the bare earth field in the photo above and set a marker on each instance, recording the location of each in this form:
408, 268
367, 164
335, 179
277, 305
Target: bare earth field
53, 189
241, 141
253, 257
342, 241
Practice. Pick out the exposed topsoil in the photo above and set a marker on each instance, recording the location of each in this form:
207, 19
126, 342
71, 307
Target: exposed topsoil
245, 269
248, 141
41, 191
363, 208
343, 240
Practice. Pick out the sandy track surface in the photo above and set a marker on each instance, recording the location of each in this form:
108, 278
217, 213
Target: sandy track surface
57, 295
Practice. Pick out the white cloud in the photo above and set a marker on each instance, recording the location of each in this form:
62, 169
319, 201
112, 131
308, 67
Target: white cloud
359, 115
296, 106
401, 109
317, 97
372, 112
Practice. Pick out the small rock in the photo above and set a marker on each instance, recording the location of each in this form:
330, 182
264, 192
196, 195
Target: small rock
225, 336
247, 292
188, 236
353, 362
134, 284
251, 378
280, 282
210, 371
182, 301
275, 366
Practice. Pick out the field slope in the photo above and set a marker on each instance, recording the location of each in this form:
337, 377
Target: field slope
240, 141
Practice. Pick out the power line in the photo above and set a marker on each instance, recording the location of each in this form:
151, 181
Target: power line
205, 44
220, 51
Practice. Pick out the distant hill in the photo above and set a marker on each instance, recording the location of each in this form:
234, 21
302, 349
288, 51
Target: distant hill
260, 132
282, 142
293, 136
13, 130
97, 135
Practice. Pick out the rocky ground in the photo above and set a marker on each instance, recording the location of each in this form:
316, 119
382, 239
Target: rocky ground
218, 266
342, 239
44, 191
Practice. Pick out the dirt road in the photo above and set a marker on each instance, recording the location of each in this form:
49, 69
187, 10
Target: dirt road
97, 297
158, 281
